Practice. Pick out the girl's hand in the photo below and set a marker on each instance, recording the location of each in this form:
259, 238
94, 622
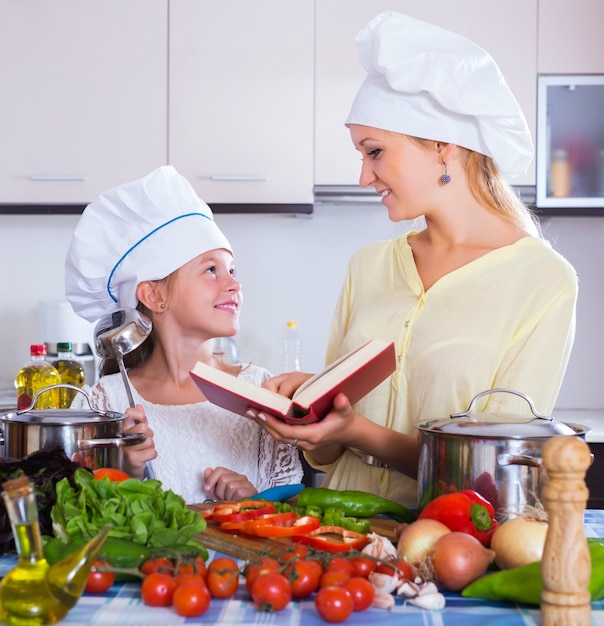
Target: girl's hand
135, 457
223, 484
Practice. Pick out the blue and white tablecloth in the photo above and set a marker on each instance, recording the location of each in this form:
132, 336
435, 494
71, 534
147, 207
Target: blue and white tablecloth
122, 606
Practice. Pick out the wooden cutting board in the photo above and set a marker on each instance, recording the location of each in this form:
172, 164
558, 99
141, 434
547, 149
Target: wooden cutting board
248, 548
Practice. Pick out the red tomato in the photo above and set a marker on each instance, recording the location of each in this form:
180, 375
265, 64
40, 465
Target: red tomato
262, 566
333, 579
158, 589
200, 567
334, 604
223, 577
363, 566
271, 592
404, 569
188, 573
160, 564
304, 576
112, 474
191, 599
99, 581
295, 551
362, 592
340, 564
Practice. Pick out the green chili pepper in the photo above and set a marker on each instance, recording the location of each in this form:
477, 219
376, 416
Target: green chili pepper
355, 503
523, 584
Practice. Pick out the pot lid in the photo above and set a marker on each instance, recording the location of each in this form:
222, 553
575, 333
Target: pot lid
61, 417
502, 425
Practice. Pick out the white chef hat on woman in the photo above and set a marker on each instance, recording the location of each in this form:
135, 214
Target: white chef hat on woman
143, 230
425, 81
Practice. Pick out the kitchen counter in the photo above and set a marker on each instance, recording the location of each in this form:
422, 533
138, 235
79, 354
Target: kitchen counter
121, 605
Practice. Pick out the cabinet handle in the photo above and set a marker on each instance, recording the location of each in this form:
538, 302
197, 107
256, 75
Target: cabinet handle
239, 178
56, 178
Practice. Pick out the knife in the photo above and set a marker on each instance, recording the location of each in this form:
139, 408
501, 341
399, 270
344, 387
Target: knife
279, 494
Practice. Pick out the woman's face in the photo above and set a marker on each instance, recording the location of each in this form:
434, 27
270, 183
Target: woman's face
205, 296
405, 173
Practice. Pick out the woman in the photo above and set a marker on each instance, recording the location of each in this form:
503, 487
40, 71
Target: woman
476, 299
153, 244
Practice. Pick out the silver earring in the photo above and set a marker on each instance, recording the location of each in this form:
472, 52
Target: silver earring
162, 306
445, 179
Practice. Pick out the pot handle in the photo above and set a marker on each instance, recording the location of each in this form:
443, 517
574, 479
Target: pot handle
488, 391
119, 441
58, 386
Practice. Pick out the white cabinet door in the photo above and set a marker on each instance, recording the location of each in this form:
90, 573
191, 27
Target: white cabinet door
508, 32
84, 96
571, 37
241, 99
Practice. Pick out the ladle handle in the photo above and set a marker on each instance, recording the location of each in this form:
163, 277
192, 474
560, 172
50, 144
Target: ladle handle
120, 363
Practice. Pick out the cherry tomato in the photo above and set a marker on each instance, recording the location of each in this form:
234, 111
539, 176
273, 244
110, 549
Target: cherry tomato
223, 577
271, 592
99, 581
362, 592
304, 576
334, 604
115, 475
295, 551
160, 564
363, 566
333, 579
188, 573
340, 564
404, 569
200, 567
158, 589
191, 599
262, 566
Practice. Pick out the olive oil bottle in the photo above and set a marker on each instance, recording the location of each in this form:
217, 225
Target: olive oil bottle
35, 375
71, 372
36, 593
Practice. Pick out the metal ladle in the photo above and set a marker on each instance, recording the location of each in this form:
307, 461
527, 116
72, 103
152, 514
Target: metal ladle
119, 333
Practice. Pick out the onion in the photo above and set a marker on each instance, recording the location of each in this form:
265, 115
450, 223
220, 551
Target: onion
457, 559
519, 541
417, 539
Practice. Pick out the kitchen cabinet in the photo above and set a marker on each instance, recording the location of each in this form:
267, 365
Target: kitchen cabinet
508, 34
84, 97
570, 37
241, 99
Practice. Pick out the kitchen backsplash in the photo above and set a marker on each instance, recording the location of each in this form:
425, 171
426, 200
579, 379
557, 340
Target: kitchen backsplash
291, 268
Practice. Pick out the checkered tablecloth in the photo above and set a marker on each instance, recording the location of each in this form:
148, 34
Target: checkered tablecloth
122, 606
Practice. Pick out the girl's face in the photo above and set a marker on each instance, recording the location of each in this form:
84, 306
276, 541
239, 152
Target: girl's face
205, 296
403, 172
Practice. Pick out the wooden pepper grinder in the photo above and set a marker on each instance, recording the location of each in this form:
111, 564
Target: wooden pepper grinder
566, 562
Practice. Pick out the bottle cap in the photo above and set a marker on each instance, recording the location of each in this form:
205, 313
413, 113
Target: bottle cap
559, 154
64, 346
37, 349
292, 324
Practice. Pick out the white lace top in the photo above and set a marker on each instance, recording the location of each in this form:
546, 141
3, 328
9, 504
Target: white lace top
192, 437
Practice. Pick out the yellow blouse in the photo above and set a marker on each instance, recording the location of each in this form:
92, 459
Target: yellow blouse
506, 320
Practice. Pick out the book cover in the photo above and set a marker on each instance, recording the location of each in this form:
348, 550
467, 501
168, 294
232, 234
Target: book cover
355, 374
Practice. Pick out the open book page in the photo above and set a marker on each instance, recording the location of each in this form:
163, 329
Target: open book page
338, 370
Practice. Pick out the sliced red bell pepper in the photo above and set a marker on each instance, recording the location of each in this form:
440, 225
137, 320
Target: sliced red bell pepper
333, 539
241, 511
266, 519
288, 528
463, 511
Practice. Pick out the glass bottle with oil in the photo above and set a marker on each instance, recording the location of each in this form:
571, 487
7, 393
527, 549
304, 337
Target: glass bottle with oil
34, 592
71, 372
35, 375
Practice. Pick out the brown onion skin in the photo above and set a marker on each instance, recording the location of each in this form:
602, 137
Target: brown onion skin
418, 538
457, 559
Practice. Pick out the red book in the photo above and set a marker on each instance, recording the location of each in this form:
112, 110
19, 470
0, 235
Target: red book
355, 375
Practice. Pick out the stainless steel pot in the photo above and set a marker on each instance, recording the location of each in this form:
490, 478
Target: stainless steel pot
497, 455
91, 437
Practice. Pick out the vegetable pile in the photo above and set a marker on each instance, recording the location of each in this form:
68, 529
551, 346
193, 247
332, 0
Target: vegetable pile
139, 511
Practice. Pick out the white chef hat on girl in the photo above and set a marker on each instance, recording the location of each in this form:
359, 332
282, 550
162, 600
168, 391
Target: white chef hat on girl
425, 81
143, 230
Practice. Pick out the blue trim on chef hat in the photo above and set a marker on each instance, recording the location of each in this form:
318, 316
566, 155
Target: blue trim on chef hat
140, 241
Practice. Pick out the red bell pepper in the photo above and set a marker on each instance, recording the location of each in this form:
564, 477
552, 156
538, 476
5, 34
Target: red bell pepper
333, 539
240, 526
266, 527
241, 511
464, 511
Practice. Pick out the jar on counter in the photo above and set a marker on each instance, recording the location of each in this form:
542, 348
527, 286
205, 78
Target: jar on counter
559, 175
